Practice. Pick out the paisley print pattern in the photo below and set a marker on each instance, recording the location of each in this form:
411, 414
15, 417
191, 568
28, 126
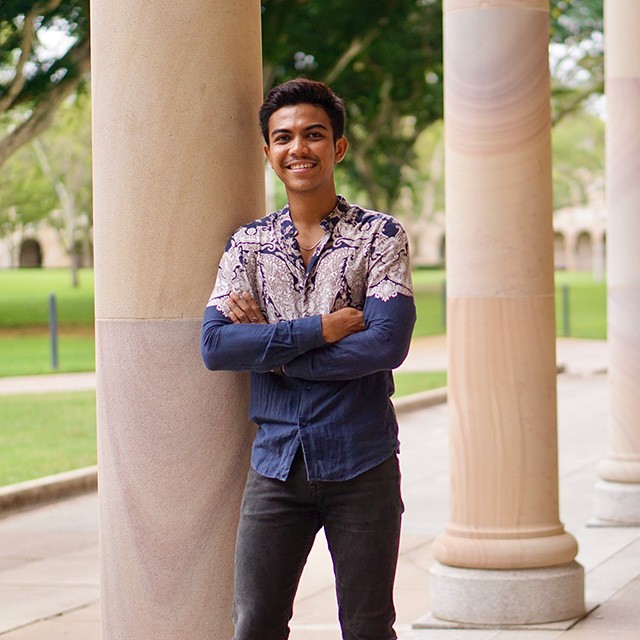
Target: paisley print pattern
363, 253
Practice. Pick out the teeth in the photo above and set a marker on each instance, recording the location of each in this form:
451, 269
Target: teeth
303, 165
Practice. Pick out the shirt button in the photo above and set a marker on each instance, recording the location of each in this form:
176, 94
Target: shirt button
308, 387
303, 424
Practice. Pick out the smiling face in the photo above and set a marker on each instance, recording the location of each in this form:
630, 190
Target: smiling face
302, 150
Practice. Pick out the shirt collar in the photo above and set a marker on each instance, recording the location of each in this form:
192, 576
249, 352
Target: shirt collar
328, 223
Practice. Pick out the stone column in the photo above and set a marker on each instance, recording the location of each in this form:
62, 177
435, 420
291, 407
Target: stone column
178, 166
618, 493
504, 558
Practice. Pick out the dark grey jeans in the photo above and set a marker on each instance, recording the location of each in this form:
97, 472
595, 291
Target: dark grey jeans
278, 523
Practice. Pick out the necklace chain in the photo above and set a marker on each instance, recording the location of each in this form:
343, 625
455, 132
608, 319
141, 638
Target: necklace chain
313, 246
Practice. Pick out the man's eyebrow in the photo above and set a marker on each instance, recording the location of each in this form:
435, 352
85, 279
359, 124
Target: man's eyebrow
318, 125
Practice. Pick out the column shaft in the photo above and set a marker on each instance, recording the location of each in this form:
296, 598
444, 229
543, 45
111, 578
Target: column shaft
618, 496
501, 331
177, 167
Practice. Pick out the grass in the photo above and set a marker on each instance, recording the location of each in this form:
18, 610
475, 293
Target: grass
42, 434
24, 295
587, 316
49, 433
24, 298
28, 352
408, 382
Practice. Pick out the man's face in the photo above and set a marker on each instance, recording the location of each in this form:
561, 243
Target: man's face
301, 148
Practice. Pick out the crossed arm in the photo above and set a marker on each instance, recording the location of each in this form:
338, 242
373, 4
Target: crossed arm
344, 344
335, 326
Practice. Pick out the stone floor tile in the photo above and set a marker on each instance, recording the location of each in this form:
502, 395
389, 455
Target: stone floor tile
59, 570
57, 629
21, 605
34, 543
512, 634
448, 634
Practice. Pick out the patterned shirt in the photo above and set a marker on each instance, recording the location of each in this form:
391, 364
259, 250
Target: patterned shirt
334, 400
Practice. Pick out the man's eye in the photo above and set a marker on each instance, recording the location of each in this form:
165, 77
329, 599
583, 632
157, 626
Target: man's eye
282, 139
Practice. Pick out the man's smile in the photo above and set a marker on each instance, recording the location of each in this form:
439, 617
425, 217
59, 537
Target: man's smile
300, 166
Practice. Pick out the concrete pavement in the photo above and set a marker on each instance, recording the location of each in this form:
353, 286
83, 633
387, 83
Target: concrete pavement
49, 555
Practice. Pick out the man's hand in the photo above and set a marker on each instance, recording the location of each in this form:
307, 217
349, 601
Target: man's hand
342, 323
243, 309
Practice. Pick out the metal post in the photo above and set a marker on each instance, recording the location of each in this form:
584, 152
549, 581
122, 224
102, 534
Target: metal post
53, 331
443, 294
566, 320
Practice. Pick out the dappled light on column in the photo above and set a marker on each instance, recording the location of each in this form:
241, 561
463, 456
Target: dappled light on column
504, 558
618, 494
177, 163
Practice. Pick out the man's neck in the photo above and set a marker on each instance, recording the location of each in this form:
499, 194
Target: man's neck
309, 209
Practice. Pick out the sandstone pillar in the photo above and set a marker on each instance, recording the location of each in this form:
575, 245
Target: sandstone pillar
178, 166
618, 493
504, 558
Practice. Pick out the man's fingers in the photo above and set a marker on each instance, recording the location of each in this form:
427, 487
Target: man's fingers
243, 309
252, 309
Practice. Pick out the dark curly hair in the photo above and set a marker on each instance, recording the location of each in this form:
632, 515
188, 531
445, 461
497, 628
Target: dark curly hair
303, 91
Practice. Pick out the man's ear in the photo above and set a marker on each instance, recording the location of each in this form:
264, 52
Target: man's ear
267, 152
341, 148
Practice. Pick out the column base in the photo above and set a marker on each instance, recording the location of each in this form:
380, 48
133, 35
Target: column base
617, 503
507, 597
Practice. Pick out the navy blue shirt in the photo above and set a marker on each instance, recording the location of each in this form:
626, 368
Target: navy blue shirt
334, 400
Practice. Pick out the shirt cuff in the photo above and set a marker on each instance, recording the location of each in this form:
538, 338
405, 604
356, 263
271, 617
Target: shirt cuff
308, 333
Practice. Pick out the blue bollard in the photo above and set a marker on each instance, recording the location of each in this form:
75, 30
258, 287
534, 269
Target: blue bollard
566, 312
53, 331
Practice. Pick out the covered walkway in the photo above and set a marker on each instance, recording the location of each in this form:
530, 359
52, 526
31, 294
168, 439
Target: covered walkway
49, 582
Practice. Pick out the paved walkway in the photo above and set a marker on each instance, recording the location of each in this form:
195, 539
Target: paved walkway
49, 556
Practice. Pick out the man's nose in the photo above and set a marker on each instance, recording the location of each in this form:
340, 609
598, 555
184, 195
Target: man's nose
298, 145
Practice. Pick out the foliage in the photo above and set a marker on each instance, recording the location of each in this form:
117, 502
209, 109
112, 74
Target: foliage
384, 58
34, 79
42, 434
577, 54
64, 154
25, 197
578, 160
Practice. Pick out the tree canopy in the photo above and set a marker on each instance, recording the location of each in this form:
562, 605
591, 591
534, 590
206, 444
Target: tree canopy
384, 58
35, 80
577, 54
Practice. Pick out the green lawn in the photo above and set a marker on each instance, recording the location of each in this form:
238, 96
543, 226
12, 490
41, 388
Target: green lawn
49, 433
41, 434
29, 352
587, 316
24, 297
412, 382
587, 306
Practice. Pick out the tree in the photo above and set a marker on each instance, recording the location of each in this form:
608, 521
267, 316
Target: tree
25, 197
384, 58
64, 155
578, 159
577, 54
34, 81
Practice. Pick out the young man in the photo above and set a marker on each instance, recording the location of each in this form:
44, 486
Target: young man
315, 300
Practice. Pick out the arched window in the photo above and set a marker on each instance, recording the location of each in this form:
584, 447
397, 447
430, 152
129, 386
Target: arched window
584, 252
30, 253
